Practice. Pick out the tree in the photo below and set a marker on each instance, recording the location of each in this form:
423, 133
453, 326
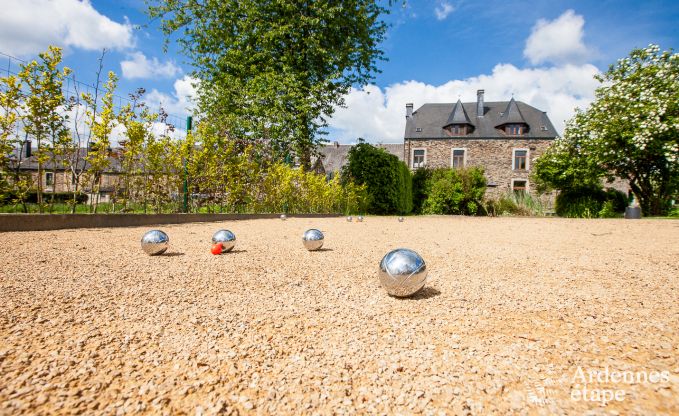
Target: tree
454, 191
10, 95
631, 131
101, 125
272, 71
388, 180
43, 118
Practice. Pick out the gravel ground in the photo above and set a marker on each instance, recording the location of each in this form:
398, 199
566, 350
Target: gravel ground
513, 310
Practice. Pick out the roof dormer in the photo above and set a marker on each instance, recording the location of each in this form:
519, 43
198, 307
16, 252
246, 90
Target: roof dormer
511, 120
458, 123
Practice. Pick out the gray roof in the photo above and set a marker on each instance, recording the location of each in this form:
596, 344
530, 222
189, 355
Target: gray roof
431, 118
58, 163
335, 156
458, 115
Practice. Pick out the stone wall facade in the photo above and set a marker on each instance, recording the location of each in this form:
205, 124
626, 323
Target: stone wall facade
495, 156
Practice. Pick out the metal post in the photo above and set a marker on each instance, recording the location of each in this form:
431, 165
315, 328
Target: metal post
189, 126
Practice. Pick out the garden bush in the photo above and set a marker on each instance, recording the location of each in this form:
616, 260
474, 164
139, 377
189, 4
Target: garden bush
387, 180
455, 191
590, 202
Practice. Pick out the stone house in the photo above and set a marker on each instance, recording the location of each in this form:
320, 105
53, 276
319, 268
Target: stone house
56, 178
502, 137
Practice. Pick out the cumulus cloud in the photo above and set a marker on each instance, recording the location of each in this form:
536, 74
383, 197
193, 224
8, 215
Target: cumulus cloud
180, 103
28, 27
139, 66
379, 114
558, 41
443, 10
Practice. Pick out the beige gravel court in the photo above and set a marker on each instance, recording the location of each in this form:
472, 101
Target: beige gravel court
513, 309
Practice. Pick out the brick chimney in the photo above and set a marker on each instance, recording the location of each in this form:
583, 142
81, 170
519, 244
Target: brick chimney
409, 110
479, 103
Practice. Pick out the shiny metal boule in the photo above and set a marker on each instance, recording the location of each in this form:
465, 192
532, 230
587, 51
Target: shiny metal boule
284, 217
402, 272
226, 237
155, 242
349, 218
400, 219
359, 218
313, 239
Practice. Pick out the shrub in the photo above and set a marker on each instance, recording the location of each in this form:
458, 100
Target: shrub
420, 182
387, 180
516, 203
588, 202
455, 191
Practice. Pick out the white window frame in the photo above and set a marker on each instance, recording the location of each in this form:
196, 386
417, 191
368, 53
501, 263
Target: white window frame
521, 180
527, 158
51, 174
452, 156
412, 157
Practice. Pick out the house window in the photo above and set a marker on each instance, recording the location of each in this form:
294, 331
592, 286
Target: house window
520, 159
49, 179
519, 186
458, 130
458, 160
419, 157
514, 129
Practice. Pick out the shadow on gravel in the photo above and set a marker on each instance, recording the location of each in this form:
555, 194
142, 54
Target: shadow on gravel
425, 293
173, 254
323, 249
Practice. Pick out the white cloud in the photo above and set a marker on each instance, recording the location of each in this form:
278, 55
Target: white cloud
558, 41
30, 26
379, 115
443, 10
139, 66
180, 103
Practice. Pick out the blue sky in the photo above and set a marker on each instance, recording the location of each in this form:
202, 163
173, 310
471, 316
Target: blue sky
543, 52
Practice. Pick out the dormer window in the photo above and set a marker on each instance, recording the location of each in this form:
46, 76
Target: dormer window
515, 129
458, 129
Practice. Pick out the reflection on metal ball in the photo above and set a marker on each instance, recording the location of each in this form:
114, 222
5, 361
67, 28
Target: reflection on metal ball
400, 219
226, 237
402, 272
349, 218
359, 218
313, 239
155, 242
284, 217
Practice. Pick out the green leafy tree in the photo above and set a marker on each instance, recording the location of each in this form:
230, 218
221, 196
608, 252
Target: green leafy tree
631, 131
10, 101
43, 120
388, 180
272, 71
101, 125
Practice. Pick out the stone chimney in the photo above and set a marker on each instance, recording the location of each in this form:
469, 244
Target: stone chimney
409, 110
479, 103
335, 143
27, 148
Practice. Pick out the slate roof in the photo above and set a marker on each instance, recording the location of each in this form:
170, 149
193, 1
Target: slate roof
335, 156
431, 118
458, 115
31, 163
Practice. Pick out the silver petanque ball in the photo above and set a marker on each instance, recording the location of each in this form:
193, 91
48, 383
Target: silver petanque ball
155, 242
284, 217
359, 218
402, 272
313, 239
400, 219
226, 237
349, 218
